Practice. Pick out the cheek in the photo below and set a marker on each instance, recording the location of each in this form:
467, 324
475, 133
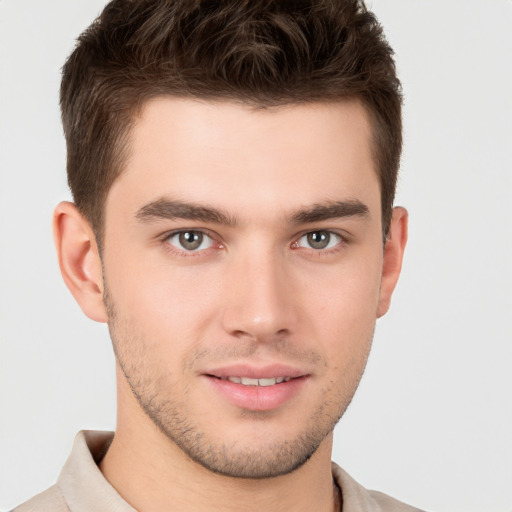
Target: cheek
341, 314
345, 296
167, 303
175, 306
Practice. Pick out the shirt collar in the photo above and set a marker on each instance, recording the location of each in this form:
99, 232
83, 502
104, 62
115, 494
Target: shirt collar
81, 482
85, 488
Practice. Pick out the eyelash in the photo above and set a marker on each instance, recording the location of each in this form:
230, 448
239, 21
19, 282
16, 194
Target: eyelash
342, 242
192, 253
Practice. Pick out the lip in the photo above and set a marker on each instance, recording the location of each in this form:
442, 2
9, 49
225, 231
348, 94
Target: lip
256, 372
257, 398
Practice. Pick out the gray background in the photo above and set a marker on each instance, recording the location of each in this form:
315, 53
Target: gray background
432, 421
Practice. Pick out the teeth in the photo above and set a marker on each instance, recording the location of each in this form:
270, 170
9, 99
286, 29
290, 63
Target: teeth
246, 381
267, 382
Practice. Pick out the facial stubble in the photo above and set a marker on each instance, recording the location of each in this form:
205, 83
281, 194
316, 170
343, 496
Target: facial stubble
235, 458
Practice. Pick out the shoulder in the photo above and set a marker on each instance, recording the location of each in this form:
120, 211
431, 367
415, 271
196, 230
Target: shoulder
51, 499
357, 499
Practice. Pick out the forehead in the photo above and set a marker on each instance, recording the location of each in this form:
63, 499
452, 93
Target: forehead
234, 155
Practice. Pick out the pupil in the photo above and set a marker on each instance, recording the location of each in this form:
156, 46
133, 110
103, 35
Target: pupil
191, 240
319, 239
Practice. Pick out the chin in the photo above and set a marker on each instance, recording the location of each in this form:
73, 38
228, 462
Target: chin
247, 451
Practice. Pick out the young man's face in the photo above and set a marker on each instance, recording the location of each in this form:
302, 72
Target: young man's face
244, 247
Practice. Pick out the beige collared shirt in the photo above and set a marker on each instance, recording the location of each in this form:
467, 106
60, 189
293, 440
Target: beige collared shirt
81, 487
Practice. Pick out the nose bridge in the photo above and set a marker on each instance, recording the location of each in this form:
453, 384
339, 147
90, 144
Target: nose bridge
259, 301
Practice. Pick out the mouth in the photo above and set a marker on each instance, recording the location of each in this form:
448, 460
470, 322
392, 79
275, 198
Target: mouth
248, 381
258, 389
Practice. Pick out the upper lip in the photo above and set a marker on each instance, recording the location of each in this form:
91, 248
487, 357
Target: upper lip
256, 372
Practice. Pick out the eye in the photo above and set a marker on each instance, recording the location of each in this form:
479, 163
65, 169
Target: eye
190, 241
319, 240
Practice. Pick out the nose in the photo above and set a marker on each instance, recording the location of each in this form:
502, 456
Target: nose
259, 298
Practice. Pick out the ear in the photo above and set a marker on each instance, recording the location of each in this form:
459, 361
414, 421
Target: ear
393, 256
79, 260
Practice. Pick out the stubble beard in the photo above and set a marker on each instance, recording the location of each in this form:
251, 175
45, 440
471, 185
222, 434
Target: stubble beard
227, 457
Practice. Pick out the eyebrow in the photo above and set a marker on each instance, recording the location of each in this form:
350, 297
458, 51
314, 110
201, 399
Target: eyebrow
331, 210
174, 209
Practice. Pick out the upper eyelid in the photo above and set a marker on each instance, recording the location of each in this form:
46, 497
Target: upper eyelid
207, 232
330, 231
341, 233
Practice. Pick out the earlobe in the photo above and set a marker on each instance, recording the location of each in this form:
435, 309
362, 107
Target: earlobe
79, 260
393, 256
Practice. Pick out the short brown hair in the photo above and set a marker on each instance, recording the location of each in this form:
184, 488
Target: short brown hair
262, 52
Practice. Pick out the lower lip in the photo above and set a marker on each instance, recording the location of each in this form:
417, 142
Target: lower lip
258, 398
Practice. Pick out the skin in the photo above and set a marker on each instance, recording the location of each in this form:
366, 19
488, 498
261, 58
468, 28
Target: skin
257, 292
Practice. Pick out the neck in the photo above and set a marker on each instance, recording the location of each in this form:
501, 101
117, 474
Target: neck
150, 472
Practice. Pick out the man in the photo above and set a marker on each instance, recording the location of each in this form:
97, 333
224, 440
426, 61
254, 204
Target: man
233, 167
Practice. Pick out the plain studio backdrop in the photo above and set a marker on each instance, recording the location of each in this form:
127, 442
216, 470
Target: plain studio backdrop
432, 421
